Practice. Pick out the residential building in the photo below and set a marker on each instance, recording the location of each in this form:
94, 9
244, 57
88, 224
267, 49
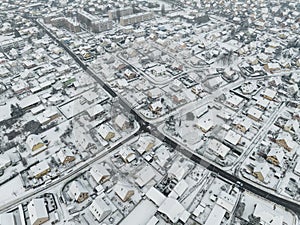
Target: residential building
99, 173
136, 18
123, 191
276, 156
122, 122
218, 148
65, 156
94, 23
115, 13
262, 103
127, 154
100, 209
269, 94
34, 142
174, 211
285, 140
232, 137
37, 211
144, 176
67, 23
254, 113
205, 124
40, 169
242, 124
261, 171
78, 192
106, 132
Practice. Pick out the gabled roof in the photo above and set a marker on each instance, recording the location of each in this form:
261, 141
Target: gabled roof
37, 210
98, 171
233, 137
76, 189
33, 140
278, 153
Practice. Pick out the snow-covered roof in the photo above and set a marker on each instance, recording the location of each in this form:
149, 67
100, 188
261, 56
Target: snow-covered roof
269, 93
37, 211
155, 92
156, 196
95, 110
121, 121
218, 148
144, 144
127, 154
104, 130
262, 102
267, 215
234, 100
33, 140
40, 168
123, 190
99, 172
29, 101
76, 189
288, 139
262, 168
100, 209
232, 137
216, 215
278, 153
177, 171
4, 161
297, 168
172, 209
179, 189
152, 221
254, 112
144, 176
227, 201
64, 153
37, 109
205, 124
245, 122
7, 219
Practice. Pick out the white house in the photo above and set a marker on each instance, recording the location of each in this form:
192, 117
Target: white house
106, 132
172, 209
100, 209
218, 148
78, 192
65, 156
37, 211
99, 173
232, 137
122, 121
127, 154
40, 169
34, 142
123, 191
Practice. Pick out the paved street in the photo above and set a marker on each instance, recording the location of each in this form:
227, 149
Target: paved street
146, 126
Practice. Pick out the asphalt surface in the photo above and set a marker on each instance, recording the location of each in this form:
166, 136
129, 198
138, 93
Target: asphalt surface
146, 127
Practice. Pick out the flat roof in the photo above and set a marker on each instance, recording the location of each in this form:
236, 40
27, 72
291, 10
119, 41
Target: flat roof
28, 101
156, 196
216, 215
141, 214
